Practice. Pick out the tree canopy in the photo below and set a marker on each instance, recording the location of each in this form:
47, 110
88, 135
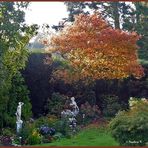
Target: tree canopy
128, 16
93, 49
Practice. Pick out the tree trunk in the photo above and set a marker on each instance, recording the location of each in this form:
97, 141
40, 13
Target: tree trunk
116, 15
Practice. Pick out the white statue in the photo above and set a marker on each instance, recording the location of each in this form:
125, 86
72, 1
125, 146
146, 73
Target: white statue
18, 113
71, 114
66, 113
74, 106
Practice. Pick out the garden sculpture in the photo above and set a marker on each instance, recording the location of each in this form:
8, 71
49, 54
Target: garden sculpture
75, 108
19, 122
71, 114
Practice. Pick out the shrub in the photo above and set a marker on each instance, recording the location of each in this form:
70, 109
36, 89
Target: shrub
55, 104
9, 121
47, 133
38, 131
45, 130
50, 125
7, 132
57, 136
26, 131
6, 135
48, 120
47, 139
5, 140
90, 112
62, 126
110, 105
130, 128
34, 138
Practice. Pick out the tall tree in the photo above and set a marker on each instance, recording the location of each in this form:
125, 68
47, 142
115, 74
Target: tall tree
141, 23
75, 8
111, 10
116, 16
14, 36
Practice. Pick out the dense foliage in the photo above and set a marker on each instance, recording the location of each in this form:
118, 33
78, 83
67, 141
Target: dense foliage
14, 36
94, 50
89, 113
130, 128
110, 105
55, 104
128, 16
18, 93
44, 130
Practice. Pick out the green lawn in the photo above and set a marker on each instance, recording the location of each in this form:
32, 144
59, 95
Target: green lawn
87, 137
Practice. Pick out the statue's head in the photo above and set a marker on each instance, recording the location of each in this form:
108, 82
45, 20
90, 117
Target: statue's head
20, 103
72, 99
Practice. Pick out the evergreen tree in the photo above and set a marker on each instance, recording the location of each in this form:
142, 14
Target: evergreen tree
109, 10
141, 23
75, 8
14, 36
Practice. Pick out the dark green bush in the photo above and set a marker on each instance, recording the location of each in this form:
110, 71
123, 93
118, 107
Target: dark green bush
34, 138
7, 132
110, 105
62, 126
48, 120
130, 128
10, 121
55, 104
30, 134
27, 131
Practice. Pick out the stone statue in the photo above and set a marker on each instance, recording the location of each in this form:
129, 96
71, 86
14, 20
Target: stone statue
66, 113
18, 113
71, 114
75, 108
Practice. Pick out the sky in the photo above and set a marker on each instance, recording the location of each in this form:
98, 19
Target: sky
45, 12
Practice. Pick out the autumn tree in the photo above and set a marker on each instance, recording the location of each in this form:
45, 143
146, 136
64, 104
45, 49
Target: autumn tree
128, 16
91, 49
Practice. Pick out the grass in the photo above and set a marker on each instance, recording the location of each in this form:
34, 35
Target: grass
88, 137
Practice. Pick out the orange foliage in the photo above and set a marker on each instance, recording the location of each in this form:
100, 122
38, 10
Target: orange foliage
97, 51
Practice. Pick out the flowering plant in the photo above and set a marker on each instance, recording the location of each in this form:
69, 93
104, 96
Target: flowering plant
34, 138
134, 101
45, 130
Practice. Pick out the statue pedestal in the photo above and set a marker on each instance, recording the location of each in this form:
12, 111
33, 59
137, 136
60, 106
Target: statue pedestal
19, 126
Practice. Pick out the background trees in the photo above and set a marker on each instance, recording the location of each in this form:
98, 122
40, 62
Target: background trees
125, 15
